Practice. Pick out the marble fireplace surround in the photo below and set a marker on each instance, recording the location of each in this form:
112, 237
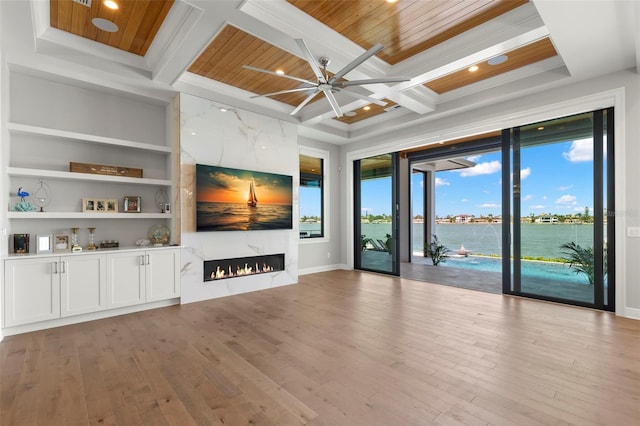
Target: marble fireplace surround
242, 140
221, 269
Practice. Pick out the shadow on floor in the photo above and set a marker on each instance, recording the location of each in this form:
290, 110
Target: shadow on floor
421, 269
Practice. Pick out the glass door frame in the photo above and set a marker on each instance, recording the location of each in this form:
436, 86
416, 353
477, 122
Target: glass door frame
511, 208
395, 216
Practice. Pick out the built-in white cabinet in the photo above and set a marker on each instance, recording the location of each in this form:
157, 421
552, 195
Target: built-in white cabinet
41, 288
31, 290
83, 284
140, 277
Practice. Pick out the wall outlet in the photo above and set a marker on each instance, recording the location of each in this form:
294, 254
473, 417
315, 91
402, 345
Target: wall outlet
328, 255
633, 231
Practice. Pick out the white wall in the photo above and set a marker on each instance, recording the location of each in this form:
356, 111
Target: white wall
241, 140
325, 254
621, 90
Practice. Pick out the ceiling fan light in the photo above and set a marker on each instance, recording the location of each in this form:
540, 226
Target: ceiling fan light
350, 114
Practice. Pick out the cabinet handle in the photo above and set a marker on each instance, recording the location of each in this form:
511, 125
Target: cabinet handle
55, 267
142, 260
148, 260
63, 265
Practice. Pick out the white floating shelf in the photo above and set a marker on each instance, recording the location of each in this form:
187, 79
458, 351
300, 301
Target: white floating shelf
87, 177
84, 137
87, 215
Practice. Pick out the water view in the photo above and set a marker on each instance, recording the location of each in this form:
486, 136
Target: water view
541, 241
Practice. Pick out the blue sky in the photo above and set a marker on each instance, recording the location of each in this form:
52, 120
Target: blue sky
556, 179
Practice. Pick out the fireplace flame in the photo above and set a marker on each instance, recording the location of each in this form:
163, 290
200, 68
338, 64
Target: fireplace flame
220, 273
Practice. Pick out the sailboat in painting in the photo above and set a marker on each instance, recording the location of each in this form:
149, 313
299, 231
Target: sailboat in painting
253, 200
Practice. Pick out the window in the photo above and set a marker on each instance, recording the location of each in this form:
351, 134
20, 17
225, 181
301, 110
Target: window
313, 220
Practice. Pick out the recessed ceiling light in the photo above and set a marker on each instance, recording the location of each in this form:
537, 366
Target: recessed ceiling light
473, 68
497, 60
541, 128
350, 113
110, 4
391, 1
222, 109
104, 25
280, 72
367, 108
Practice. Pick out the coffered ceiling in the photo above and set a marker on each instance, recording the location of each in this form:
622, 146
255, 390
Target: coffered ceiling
201, 47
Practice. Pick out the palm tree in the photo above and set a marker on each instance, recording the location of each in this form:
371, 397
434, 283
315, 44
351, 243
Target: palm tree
581, 259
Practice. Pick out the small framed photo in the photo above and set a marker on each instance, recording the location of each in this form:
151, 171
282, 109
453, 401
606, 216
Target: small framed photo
132, 204
88, 205
61, 242
99, 205
44, 243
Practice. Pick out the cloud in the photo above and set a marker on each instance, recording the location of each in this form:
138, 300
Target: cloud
486, 168
566, 199
474, 158
464, 200
489, 205
538, 207
442, 182
524, 173
565, 188
580, 151
527, 197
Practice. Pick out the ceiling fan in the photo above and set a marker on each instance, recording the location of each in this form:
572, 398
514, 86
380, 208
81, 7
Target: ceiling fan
329, 84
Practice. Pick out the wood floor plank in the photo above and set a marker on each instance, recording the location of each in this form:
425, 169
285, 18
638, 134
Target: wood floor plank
340, 348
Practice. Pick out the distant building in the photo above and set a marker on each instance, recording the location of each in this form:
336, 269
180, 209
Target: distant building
547, 219
464, 218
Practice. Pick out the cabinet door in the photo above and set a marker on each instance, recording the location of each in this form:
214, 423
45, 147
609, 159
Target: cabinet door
31, 290
163, 274
125, 279
83, 282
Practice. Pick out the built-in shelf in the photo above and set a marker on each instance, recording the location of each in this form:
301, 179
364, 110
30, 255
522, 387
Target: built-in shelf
86, 215
17, 128
86, 177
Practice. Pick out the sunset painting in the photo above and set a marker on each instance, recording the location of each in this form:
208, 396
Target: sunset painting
242, 200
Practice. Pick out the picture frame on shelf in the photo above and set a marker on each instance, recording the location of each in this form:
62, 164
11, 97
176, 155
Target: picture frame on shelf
44, 243
132, 204
21, 243
100, 205
61, 243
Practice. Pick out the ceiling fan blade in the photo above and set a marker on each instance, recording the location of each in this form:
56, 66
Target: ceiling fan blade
371, 81
364, 97
281, 92
302, 80
312, 62
357, 61
334, 103
303, 103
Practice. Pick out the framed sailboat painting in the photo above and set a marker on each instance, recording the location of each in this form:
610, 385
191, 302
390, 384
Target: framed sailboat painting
242, 200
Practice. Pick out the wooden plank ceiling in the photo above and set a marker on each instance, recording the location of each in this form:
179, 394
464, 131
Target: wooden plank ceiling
404, 27
138, 21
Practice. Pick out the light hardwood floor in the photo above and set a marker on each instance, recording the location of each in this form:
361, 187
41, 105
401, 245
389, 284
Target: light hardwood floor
340, 348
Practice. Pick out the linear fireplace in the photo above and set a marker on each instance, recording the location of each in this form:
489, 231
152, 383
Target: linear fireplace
242, 266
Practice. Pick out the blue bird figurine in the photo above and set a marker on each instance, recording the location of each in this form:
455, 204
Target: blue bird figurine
22, 193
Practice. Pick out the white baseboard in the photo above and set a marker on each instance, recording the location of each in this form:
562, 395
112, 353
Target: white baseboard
323, 268
43, 325
632, 313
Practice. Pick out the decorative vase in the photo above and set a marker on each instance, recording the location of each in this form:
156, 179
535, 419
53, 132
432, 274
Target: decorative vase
92, 242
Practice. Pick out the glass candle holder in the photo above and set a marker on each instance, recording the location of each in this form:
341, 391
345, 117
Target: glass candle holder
92, 241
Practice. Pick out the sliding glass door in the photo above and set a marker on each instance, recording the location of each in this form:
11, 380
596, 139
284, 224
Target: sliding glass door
561, 192
376, 214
